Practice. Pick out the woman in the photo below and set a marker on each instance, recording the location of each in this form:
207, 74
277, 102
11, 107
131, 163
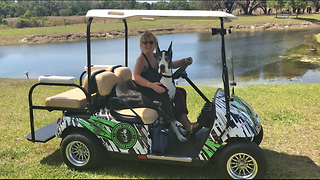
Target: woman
146, 76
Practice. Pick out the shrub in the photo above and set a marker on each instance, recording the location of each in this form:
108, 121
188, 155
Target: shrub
27, 22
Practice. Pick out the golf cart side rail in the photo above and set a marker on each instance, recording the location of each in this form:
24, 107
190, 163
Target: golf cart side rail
151, 15
32, 136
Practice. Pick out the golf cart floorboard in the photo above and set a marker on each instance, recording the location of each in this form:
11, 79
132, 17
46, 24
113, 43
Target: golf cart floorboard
190, 148
45, 133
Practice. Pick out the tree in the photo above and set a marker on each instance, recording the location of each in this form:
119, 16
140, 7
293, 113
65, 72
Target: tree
208, 5
177, 4
19, 9
275, 4
264, 6
248, 6
148, 6
65, 12
296, 5
316, 4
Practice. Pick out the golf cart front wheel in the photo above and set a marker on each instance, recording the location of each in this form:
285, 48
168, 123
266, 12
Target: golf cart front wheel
81, 150
242, 159
258, 138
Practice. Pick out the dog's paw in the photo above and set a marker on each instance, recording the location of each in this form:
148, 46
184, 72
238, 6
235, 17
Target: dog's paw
178, 124
182, 131
181, 138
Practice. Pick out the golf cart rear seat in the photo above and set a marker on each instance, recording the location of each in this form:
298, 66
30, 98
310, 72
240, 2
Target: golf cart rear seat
74, 98
104, 81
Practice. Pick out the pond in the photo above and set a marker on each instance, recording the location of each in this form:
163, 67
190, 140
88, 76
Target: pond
257, 57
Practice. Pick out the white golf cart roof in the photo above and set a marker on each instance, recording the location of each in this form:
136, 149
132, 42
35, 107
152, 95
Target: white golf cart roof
158, 14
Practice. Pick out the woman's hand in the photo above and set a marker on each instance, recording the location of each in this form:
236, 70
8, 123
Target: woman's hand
188, 59
179, 63
156, 86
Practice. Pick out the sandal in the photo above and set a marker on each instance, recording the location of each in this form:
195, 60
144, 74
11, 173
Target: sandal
194, 130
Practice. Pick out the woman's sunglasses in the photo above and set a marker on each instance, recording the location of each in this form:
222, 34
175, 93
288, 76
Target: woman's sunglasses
146, 42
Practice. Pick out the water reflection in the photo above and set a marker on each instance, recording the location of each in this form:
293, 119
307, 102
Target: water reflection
256, 57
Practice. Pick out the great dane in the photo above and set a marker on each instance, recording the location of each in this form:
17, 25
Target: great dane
134, 95
164, 59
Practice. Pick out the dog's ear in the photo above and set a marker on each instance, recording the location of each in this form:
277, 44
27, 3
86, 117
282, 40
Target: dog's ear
158, 50
170, 49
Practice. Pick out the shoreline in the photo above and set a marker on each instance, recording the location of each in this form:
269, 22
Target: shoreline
112, 34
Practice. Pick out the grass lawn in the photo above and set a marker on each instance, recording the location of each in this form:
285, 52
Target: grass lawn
290, 115
318, 37
115, 25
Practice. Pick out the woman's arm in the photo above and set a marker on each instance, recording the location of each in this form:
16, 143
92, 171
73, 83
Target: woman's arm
141, 65
176, 64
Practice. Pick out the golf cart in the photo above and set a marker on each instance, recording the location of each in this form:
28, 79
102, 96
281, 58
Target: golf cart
93, 130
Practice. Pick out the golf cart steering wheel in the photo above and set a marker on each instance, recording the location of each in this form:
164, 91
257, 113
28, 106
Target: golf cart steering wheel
182, 68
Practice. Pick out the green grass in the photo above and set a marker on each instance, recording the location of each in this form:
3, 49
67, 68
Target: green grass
290, 116
115, 25
318, 37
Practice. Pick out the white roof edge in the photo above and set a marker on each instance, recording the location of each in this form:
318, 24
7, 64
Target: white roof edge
158, 14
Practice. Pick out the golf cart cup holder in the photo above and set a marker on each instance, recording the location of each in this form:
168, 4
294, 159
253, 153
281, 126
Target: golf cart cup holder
207, 114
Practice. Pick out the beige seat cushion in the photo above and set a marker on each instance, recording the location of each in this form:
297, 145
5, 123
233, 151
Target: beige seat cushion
105, 82
123, 73
148, 115
74, 98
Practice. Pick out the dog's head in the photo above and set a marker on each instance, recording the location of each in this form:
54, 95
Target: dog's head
164, 59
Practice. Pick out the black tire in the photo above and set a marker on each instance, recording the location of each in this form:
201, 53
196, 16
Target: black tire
241, 159
258, 138
81, 150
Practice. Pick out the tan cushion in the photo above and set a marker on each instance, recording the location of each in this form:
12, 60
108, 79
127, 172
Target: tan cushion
105, 82
74, 98
85, 81
111, 67
123, 73
148, 115
57, 79
97, 67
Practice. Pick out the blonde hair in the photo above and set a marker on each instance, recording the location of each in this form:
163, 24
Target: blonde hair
148, 34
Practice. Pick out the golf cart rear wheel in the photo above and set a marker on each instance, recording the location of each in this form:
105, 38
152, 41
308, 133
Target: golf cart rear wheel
242, 159
81, 150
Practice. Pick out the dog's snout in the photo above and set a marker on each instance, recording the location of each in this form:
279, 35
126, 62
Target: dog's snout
162, 68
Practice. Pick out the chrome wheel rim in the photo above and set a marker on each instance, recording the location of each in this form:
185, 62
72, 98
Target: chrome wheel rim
77, 153
242, 166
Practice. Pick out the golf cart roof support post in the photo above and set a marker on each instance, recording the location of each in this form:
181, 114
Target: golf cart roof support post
126, 42
89, 61
225, 73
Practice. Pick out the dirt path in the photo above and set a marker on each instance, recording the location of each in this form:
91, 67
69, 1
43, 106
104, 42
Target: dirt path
44, 39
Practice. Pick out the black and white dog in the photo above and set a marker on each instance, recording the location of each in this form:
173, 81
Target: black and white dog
164, 59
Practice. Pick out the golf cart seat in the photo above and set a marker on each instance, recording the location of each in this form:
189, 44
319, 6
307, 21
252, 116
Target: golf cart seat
136, 115
74, 98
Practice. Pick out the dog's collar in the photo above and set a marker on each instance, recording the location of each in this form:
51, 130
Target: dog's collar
166, 76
